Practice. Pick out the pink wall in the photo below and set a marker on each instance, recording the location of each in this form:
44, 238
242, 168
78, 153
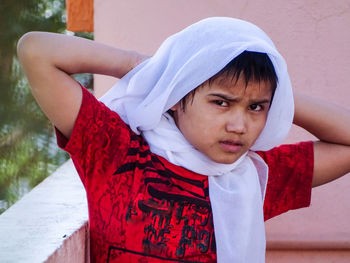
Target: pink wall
314, 38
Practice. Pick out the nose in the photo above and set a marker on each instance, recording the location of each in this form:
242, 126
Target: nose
236, 123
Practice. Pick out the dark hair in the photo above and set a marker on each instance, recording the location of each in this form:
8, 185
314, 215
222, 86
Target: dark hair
254, 66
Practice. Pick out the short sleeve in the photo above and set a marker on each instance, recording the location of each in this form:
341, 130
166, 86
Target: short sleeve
99, 140
290, 178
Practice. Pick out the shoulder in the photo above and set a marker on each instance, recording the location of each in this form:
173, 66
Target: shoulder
94, 119
290, 177
100, 139
289, 155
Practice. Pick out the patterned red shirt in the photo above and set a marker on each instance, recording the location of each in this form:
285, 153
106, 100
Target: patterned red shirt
144, 209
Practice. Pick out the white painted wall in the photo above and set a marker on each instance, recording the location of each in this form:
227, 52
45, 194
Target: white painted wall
48, 223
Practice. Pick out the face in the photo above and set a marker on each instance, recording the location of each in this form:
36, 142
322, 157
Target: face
224, 119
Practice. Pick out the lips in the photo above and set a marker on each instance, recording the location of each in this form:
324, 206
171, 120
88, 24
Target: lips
231, 146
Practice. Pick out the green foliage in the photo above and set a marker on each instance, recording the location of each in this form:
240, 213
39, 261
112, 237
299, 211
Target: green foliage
28, 151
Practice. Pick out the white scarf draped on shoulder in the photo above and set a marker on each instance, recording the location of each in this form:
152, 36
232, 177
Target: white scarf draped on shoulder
183, 62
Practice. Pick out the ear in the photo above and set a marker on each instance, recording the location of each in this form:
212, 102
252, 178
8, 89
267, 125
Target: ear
175, 107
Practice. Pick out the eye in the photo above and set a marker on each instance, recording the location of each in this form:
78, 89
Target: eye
256, 107
221, 103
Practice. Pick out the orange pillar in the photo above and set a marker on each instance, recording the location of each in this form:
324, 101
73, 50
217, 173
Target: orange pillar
80, 15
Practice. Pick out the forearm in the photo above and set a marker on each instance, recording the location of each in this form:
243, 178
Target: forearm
75, 55
328, 122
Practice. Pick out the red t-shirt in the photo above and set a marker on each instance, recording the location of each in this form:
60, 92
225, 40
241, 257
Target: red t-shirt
144, 209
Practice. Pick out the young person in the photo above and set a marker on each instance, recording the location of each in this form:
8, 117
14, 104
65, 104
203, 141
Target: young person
188, 147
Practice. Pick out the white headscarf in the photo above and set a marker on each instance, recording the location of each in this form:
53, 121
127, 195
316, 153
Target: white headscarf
183, 62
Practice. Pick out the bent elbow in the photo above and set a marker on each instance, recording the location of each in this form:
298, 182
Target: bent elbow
27, 47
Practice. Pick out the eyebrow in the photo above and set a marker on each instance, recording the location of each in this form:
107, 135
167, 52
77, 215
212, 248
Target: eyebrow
231, 99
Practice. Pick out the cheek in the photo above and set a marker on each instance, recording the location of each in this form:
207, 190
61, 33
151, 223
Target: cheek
258, 127
195, 127
186, 125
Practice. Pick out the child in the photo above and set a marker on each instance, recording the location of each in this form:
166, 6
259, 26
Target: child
177, 162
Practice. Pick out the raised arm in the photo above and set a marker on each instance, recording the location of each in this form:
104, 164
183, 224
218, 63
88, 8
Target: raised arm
49, 59
331, 125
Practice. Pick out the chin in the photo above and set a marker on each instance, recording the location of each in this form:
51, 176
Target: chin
225, 160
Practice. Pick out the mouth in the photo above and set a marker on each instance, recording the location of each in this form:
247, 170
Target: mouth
231, 146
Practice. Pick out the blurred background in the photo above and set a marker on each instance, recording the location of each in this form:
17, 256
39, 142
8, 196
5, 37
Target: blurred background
28, 150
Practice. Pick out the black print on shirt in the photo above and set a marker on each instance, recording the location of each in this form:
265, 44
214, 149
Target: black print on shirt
173, 201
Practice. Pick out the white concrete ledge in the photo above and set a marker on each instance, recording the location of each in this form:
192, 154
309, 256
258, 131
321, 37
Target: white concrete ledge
39, 227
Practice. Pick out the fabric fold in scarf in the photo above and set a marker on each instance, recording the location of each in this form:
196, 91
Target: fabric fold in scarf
183, 62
